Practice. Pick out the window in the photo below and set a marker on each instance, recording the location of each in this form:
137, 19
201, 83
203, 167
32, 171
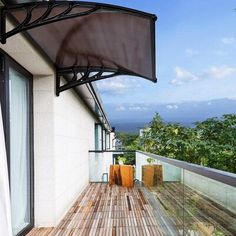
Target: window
103, 139
98, 137
108, 145
16, 98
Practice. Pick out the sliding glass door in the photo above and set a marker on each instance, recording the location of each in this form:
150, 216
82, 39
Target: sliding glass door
19, 150
16, 87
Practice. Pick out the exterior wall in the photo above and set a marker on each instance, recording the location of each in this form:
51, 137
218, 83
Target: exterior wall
74, 137
44, 156
63, 134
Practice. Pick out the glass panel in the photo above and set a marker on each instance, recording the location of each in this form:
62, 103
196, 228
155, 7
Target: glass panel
19, 150
104, 139
165, 183
99, 164
108, 141
188, 203
209, 206
98, 137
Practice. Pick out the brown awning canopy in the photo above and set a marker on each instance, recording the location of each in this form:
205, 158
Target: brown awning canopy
88, 41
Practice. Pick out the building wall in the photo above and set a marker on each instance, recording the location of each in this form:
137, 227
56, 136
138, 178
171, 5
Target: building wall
44, 154
74, 137
63, 134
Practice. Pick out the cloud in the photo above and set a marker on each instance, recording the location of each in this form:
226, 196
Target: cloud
183, 76
176, 82
117, 85
120, 108
132, 107
172, 107
190, 52
138, 108
228, 40
215, 72
220, 72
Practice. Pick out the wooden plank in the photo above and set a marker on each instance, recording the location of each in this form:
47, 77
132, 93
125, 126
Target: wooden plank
104, 210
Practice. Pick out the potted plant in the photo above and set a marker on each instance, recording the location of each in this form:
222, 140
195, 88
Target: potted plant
152, 173
150, 160
121, 174
121, 160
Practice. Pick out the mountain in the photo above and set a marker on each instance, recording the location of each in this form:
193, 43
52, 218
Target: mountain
131, 117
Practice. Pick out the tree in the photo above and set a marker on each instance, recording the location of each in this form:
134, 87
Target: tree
129, 141
211, 143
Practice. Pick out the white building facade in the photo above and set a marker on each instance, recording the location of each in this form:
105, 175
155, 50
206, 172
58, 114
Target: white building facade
48, 123
47, 138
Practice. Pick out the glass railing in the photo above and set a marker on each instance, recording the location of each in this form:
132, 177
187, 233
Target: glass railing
100, 161
186, 199
189, 199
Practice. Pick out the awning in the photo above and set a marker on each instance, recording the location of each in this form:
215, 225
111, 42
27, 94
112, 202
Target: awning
87, 41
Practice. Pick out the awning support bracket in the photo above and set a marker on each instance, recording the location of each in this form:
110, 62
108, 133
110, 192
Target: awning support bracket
71, 77
47, 16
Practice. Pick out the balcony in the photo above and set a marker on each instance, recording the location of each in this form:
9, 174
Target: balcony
191, 200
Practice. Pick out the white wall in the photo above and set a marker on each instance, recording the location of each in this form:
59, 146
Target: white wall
64, 132
44, 154
74, 137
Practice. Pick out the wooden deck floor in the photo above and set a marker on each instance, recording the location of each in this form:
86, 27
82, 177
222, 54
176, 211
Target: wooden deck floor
202, 216
103, 210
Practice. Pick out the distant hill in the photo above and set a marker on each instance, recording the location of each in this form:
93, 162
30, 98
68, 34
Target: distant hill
132, 127
132, 117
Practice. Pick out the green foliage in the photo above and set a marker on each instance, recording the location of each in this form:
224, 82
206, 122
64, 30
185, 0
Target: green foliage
210, 143
150, 160
127, 139
121, 159
129, 142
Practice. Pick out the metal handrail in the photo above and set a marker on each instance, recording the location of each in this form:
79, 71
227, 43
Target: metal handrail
218, 175
101, 151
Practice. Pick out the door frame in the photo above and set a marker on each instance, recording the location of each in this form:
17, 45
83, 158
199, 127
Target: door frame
5, 63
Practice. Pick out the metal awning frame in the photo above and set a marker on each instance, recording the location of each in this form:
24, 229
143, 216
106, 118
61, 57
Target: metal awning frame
78, 75
83, 75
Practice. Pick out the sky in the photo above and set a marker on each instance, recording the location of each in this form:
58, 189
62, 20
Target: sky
195, 53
